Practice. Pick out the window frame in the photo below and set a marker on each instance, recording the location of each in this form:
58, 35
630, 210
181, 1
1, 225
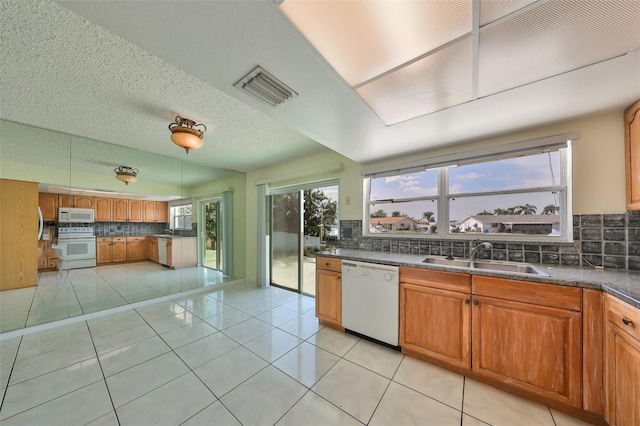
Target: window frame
562, 188
172, 216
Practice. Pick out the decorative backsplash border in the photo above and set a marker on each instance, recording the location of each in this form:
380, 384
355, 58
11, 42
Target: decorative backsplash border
608, 240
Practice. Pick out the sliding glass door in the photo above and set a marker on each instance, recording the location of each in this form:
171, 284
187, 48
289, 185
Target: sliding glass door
212, 245
304, 221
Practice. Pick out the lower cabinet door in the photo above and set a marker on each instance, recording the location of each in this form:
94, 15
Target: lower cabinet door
436, 323
119, 251
535, 348
623, 379
329, 297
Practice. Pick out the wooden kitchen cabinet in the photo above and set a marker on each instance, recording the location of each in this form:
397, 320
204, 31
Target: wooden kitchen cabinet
632, 155
136, 248
136, 210
329, 292
111, 249
77, 201
83, 202
49, 206
162, 211
48, 260
435, 315
152, 249
622, 363
103, 209
120, 210
529, 335
18, 234
149, 211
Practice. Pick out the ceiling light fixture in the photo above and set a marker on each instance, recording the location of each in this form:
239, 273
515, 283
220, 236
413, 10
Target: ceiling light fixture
185, 134
126, 174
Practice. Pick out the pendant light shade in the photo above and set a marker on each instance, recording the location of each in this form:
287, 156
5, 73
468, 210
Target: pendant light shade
186, 134
126, 174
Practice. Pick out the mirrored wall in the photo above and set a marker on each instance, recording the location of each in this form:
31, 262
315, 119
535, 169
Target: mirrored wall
73, 171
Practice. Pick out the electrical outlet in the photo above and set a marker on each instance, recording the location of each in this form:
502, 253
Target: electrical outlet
347, 200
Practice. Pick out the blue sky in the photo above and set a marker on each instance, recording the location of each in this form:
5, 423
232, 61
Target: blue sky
522, 172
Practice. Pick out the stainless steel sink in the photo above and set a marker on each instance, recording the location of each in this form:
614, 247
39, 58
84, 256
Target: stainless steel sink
447, 262
491, 265
521, 268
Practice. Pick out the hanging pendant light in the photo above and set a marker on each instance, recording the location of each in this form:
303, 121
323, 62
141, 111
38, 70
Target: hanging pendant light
185, 134
126, 174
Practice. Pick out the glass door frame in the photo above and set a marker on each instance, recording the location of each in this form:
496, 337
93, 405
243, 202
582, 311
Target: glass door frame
219, 233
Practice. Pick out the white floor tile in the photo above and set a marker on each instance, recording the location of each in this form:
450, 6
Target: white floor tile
273, 344
302, 326
41, 389
197, 329
229, 370
214, 415
277, 316
159, 310
206, 349
435, 382
128, 356
51, 340
467, 420
108, 419
264, 398
499, 408
79, 407
51, 361
306, 363
5, 371
122, 338
374, 357
227, 319
169, 404
312, 410
9, 350
247, 330
114, 322
417, 409
301, 305
334, 341
142, 378
352, 388
562, 419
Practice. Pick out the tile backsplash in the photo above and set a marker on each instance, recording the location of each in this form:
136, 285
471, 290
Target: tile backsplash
608, 240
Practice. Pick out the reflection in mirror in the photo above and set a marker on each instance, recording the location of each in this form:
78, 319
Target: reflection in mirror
79, 172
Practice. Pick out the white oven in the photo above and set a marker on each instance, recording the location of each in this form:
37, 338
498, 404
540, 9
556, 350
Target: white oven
76, 247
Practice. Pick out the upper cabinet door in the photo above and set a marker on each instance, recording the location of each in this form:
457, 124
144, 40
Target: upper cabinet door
104, 209
82, 202
149, 211
120, 210
49, 206
136, 209
162, 212
632, 155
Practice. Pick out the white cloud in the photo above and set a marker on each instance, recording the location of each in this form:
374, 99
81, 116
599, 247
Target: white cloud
471, 176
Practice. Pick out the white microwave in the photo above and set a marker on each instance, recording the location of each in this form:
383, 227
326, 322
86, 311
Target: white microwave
75, 215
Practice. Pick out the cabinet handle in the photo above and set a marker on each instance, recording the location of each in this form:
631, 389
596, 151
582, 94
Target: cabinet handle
475, 302
627, 321
467, 301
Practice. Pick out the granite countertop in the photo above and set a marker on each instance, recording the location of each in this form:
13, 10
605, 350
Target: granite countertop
622, 284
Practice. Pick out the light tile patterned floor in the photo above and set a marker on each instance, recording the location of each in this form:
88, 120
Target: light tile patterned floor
235, 356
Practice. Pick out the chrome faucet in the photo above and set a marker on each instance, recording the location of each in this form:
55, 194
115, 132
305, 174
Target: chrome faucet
169, 231
474, 250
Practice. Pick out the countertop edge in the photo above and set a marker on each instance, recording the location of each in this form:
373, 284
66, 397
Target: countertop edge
624, 285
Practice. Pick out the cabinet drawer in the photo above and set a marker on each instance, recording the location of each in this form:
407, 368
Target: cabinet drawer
623, 316
103, 239
135, 239
553, 296
329, 263
437, 279
119, 239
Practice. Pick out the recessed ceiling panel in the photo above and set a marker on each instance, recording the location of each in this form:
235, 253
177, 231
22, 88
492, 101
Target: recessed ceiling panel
554, 38
439, 81
491, 10
363, 39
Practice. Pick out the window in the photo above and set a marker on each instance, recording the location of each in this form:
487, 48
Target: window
181, 217
520, 194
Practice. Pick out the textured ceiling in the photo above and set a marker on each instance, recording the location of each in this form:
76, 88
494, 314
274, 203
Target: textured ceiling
119, 71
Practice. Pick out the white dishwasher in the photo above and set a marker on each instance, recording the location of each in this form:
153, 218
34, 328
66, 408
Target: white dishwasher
370, 300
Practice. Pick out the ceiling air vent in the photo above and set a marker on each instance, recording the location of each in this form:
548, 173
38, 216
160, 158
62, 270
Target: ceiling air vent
265, 87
